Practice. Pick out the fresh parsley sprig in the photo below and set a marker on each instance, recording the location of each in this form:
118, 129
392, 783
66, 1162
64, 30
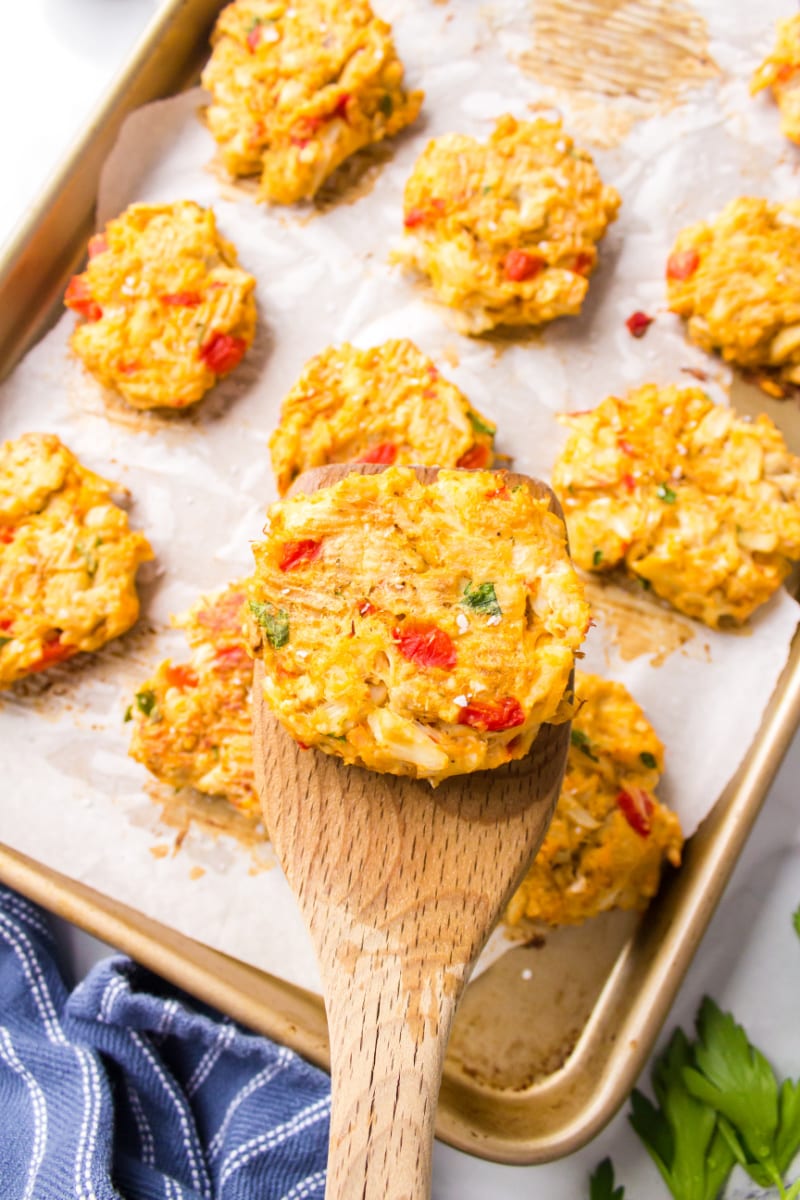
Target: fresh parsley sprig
718, 1104
682, 1135
759, 1121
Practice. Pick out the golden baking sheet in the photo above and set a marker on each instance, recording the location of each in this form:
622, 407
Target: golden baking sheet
501, 1098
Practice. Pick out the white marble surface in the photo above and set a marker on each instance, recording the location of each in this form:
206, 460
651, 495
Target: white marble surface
56, 59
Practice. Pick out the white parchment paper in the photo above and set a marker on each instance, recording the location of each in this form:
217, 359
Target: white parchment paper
200, 482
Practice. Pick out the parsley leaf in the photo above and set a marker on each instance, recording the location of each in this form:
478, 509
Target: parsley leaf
682, 1136
760, 1123
601, 1183
735, 1079
386, 105
720, 1104
648, 760
146, 701
128, 714
479, 425
4, 641
597, 558
796, 921
579, 739
665, 493
482, 599
275, 623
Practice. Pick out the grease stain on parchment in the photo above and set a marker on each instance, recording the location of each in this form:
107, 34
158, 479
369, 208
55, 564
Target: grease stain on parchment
354, 179
616, 62
89, 398
214, 817
636, 625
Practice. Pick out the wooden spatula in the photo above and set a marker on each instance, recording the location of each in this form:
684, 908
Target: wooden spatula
400, 885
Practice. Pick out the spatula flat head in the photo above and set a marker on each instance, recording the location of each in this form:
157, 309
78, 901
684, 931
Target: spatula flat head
319, 477
378, 842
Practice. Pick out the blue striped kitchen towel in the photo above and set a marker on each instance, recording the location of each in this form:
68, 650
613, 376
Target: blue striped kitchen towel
126, 1089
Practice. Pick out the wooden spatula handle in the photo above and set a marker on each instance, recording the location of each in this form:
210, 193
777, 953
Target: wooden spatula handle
389, 1022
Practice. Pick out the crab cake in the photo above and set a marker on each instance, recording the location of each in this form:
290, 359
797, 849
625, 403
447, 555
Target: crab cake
700, 504
166, 310
780, 71
609, 835
298, 86
736, 280
67, 558
193, 722
506, 231
423, 630
384, 405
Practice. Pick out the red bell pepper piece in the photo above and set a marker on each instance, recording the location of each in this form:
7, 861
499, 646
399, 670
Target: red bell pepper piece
493, 715
297, 552
520, 265
682, 264
385, 454
425, 644
221, 352
181, 676
80, 300
636, 806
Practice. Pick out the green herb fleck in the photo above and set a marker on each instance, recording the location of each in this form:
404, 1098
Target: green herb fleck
648, 759
88, 557
275, 623
482, 599
665, 493
486, 189
597, 558
601, 1183
4, 641
480, 426
146, 701
581, 742
796, 921
386, 105
128, 714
